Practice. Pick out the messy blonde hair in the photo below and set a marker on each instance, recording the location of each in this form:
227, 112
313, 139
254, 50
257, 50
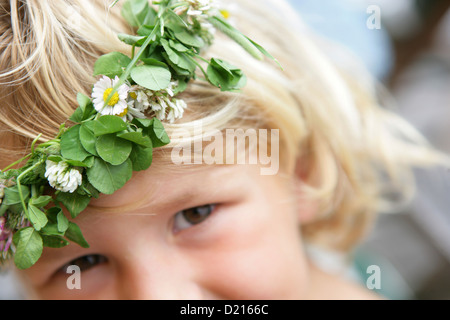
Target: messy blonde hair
350, 150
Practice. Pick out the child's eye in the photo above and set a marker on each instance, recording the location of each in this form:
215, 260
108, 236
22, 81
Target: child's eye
190, 217
86, 262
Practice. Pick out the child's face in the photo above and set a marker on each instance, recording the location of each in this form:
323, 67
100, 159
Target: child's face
240, 240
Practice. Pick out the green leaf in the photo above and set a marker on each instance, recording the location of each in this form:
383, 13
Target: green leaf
51, 229
154, 62
76, 163
62, 221
146, 30
52, 214
36, 217
158, 134
87, 137
85, 109
14, 209
73, 233
141, 158
188, 38
71, 147
77, 116
137, 138
174, 21
111, 64
108, 124
12, 196
74, 202
151, 77
107, 178
29, 246
113, 149
181, 60
179, 71
142, 123
177, 46
131, 40
3, 209
89, 161
83, 101
54, 241
41, 201
87, 189
55, 158
225, 76
138, 12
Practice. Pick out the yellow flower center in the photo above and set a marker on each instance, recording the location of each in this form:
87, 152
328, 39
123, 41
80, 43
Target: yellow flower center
133, 95
114, 99
225, 13
124, 113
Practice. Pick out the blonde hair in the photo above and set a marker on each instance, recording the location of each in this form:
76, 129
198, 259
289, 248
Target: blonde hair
350, 149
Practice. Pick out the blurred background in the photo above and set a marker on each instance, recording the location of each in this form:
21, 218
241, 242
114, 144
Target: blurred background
408, 50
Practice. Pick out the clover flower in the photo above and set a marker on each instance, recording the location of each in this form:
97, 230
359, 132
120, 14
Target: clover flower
61, 177
199, 7
162, 103
198, 12
117, 104
165, 106
5, 236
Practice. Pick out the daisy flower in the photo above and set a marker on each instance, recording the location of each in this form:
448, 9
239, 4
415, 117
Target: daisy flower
117, 104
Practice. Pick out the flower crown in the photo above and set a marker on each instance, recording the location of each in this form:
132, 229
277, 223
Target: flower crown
114, 132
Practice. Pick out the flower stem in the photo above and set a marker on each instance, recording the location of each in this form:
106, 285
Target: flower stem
19, 185
136, 58
34, 142
17, 162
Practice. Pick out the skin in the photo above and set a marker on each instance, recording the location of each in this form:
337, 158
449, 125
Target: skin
249, 247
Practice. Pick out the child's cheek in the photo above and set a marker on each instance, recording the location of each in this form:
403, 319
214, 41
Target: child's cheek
255, 253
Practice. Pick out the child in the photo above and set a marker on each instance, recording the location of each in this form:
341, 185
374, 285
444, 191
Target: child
200, 223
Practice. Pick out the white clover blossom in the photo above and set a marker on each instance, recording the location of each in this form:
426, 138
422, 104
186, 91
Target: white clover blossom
138, 98
165, 106
199, 7
177, 107
162, 103
61, 177
117, 105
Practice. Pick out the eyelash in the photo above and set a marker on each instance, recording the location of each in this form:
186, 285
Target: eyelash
85, 262
181, 219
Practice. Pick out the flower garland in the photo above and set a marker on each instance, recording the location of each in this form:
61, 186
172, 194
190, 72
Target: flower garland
114, 132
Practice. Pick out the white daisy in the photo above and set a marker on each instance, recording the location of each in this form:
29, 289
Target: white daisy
61, 177
117, 104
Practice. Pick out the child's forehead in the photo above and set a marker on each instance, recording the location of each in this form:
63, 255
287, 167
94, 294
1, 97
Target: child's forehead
163, 187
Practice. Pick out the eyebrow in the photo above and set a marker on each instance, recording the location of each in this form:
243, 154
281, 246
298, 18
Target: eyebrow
134, 208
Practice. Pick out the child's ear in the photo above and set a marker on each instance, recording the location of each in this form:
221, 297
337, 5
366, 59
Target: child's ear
307, 206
